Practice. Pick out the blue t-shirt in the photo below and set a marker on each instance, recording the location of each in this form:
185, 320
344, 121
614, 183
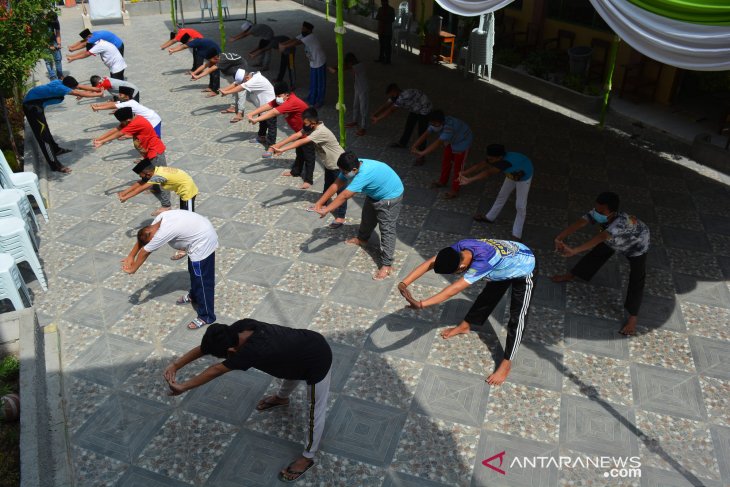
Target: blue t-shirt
515, 166
49, 94
376, 179
455, 133
98, 35
496, 260
205, 47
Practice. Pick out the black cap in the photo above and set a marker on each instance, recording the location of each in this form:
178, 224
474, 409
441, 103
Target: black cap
447, 261
123, 114
70, 82
172, 35
307, 25
185, 38
84, 33
142, 165
126, 90
495, 150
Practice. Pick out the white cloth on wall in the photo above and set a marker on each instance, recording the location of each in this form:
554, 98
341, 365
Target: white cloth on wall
685, 45
473, 8
105, 9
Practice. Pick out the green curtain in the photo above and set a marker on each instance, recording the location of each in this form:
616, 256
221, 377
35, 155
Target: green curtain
710, 12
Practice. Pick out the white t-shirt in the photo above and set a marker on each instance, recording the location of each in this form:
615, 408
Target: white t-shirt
152, 117
261, 88
109, 55
118, 83
313, 50
185, 230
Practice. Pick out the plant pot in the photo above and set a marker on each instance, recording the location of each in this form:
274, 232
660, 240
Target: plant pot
69, 3
426, 54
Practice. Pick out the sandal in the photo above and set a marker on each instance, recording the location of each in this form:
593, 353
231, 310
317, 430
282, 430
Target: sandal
196, 324
334, 225
267, 155
297, 474
482, 218
180, 254
184, 299
266, 404
236, 119
228, 110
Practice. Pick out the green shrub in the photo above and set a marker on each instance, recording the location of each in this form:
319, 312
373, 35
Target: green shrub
507, 57
541, 62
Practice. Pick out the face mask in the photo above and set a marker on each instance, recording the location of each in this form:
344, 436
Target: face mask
279, 100
393, 99
437, 129
305, 34
307, 129
598, 217
350, 174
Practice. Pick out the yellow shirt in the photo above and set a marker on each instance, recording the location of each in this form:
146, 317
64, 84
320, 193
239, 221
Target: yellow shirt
176, 180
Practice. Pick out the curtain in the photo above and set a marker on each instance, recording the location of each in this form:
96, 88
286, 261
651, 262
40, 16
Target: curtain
695, 46
105, 9
473, 8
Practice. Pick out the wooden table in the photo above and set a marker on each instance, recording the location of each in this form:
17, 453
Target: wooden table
447, 39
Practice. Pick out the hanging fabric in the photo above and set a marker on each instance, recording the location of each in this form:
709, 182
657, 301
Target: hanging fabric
473, 8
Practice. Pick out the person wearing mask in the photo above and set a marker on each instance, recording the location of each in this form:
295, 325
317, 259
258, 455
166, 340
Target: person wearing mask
125, 100
265, 34
227, 64
317, 63
418, 106
262, 92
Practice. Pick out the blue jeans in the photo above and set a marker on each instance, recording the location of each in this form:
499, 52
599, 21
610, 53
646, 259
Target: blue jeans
317, 85
57, 56
202, 287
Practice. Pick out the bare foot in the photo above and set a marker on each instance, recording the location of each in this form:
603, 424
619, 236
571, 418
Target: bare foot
270, 402
501, 374
629, 328
296, 469
355, 241
211, 94
286, 173
305, 186
229, 110
562, 278
383, 273
460, 329
450, 195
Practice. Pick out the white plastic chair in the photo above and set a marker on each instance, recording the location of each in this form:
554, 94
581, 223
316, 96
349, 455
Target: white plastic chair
12, 285
206, 5
13, 203
25, 181
14, 240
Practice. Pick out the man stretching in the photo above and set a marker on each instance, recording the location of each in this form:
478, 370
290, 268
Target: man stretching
503, 264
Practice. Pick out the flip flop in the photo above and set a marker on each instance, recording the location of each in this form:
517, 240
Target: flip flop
235, 120
267, 155
482, 219
334, 225
298, 473
196, 324
184, 300
180, 254
268, 405
228, 110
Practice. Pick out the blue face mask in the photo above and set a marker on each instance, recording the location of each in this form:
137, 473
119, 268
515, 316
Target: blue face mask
598, 217
436, 129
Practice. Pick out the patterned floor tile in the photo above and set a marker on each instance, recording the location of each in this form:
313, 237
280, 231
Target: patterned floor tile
92, 468
280, 243
309, 279
585, 474
664, 313
287, 309
711, 357
475, 353
240, 235
527, 412
694, 263
593, 376
422, 446
260, 269
661, 348
655, 477
667, 391
138, 477
702, 291
333, 470
237, 299
363, 431
398, 479
185, 436
121, 427
451, 396
401, 337
384, 379
589, 300
595, 336
342, 323
354, 288
721, 440
707, 321
110, 360
517, 473
716, 393
684, 441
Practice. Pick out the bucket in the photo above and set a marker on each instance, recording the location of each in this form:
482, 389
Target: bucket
580, 59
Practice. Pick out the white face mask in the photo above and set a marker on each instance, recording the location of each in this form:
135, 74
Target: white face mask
350, 174
279, 100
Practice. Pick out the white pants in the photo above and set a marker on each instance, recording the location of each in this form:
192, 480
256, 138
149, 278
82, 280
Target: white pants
523, 189
317, 395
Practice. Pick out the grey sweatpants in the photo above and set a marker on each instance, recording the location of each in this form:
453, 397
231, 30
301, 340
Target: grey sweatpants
162, 194
317, 395
360, 109
383, 213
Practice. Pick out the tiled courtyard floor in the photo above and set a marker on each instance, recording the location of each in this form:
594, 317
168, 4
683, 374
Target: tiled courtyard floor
408, 408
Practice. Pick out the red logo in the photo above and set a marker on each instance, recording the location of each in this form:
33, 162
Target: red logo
496, 469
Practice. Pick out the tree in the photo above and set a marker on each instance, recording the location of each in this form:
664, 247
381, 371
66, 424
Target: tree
23, 42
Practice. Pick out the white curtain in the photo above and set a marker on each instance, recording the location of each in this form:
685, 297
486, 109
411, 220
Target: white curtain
473, 8
685, 45
105, 9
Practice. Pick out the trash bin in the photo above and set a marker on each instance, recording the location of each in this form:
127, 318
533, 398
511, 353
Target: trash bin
580, 59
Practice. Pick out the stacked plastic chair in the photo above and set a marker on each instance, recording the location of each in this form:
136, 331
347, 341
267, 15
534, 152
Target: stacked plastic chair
14, 240
12, 285
13, 203
24, 181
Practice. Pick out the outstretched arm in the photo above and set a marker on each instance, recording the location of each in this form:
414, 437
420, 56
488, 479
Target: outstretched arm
570, 251
77, 45
574, 227
204, 72
133, 191
448, 292
179, 48
339, 201
296, 139
202, 378
484, 174
383, 112
191, 356
167, 44
329, 193
271, 113
113, 134
84, 94
81, 55
109, 105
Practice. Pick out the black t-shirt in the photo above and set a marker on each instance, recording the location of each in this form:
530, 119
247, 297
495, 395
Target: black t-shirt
230, 62
283, 352
276, 40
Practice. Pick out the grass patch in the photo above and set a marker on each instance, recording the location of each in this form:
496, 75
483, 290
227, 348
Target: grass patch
9, 432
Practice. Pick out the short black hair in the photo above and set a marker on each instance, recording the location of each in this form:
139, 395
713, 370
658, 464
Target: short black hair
310, 114
185, 38
611, 200
142, 165
89, 46
437, 116
281, 88
351, 59
307, 25
172, 35
84, 33
126, 90
496, 150
392, 87
95, 80
70, 82
218, 338
142, 235
123, 114
447, 261
348, 161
